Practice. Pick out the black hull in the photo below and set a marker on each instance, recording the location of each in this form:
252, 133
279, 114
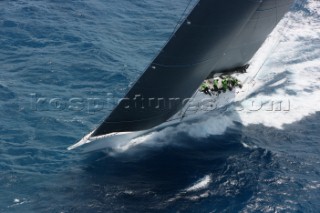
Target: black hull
218, 35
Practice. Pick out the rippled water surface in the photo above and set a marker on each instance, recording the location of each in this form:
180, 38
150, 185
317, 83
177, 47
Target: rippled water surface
55, 52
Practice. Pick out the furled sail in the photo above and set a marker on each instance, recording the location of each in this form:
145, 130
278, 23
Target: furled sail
217, 35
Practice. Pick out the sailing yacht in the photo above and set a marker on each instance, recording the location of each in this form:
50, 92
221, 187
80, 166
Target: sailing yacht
216, 37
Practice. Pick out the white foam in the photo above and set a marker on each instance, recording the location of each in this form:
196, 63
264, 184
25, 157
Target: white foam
208, 125
200, 184
18, 202
296, 58
134, 142
192, 193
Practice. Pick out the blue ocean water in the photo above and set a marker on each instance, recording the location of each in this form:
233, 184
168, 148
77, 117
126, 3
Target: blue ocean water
60, 59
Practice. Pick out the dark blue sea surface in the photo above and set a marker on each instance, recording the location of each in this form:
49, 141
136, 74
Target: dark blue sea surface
61, 62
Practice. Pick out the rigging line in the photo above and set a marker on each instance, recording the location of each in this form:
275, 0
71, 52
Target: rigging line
262, 65
187, 106
280, 31
180, 21
278, 41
